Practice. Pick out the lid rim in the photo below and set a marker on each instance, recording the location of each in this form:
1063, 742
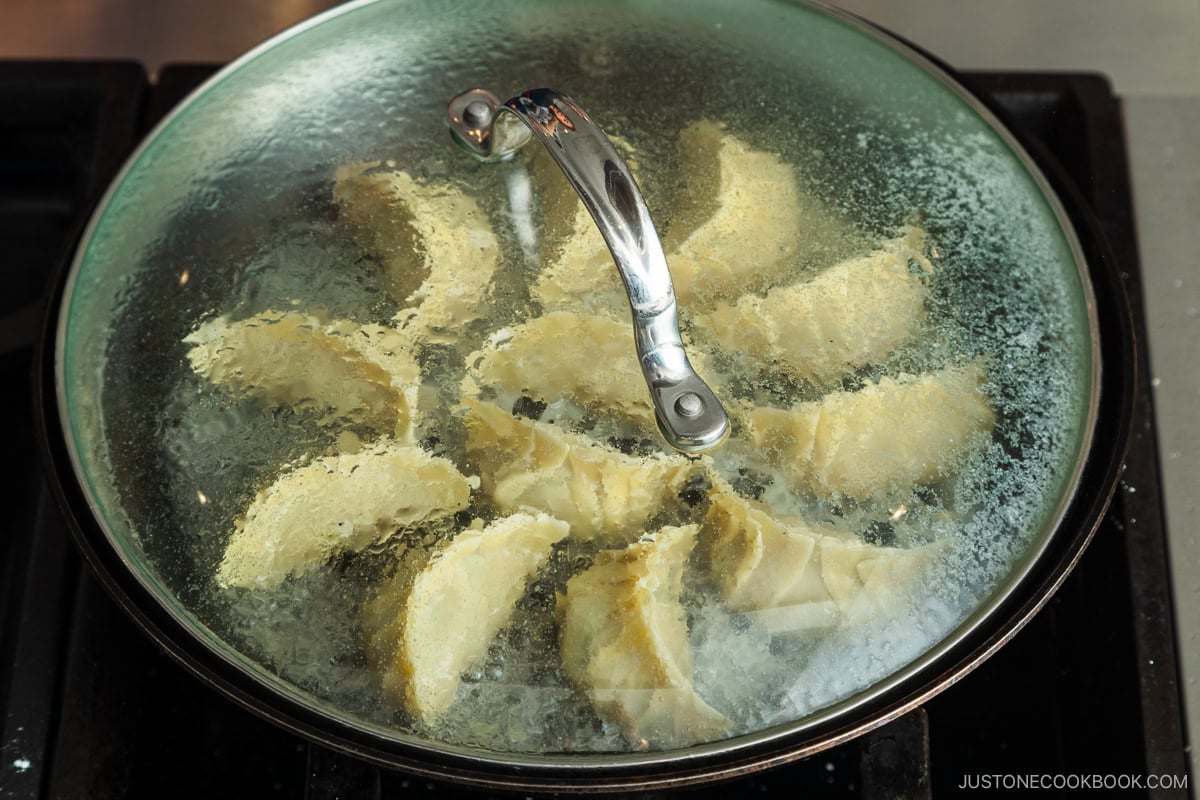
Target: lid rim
744, 746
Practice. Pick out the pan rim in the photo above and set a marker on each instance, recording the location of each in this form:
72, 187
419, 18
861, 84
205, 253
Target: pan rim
560, 765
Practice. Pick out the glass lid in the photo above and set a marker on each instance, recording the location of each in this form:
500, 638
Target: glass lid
366, 414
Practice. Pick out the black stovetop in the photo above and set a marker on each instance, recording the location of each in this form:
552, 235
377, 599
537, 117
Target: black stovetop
93, 709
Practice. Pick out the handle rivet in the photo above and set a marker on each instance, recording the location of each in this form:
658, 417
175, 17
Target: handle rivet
689, 404
477, 113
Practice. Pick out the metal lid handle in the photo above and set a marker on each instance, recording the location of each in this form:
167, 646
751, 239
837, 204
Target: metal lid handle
689, 415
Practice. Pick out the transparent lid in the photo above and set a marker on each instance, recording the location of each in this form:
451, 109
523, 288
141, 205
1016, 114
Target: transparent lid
366, 414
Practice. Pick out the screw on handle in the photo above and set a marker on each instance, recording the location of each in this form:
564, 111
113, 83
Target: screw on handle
689, 414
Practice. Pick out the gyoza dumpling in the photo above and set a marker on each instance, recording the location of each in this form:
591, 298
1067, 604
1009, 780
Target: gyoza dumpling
577, 271
535, 465
559, 211
740, 216
582, 276
754, 560
589, 360
867, 581
439, 250
797, 576
624, 641
335, 504
883, 439
850, 315
425, 630
339, 370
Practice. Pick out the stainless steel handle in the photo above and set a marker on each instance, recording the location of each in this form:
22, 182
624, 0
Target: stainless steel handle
689, 414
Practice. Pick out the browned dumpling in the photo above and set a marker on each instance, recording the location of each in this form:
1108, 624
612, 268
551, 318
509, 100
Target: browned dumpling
624, 641
336, 504
426, 628
883, 439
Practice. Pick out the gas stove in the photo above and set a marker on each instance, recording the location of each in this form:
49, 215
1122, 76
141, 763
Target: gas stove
92, 708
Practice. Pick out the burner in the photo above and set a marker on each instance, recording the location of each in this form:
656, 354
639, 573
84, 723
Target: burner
94, 709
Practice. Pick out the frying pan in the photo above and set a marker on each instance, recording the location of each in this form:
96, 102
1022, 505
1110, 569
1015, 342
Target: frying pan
364, 81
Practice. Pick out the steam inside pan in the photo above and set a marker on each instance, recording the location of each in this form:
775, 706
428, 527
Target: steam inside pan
368, 414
